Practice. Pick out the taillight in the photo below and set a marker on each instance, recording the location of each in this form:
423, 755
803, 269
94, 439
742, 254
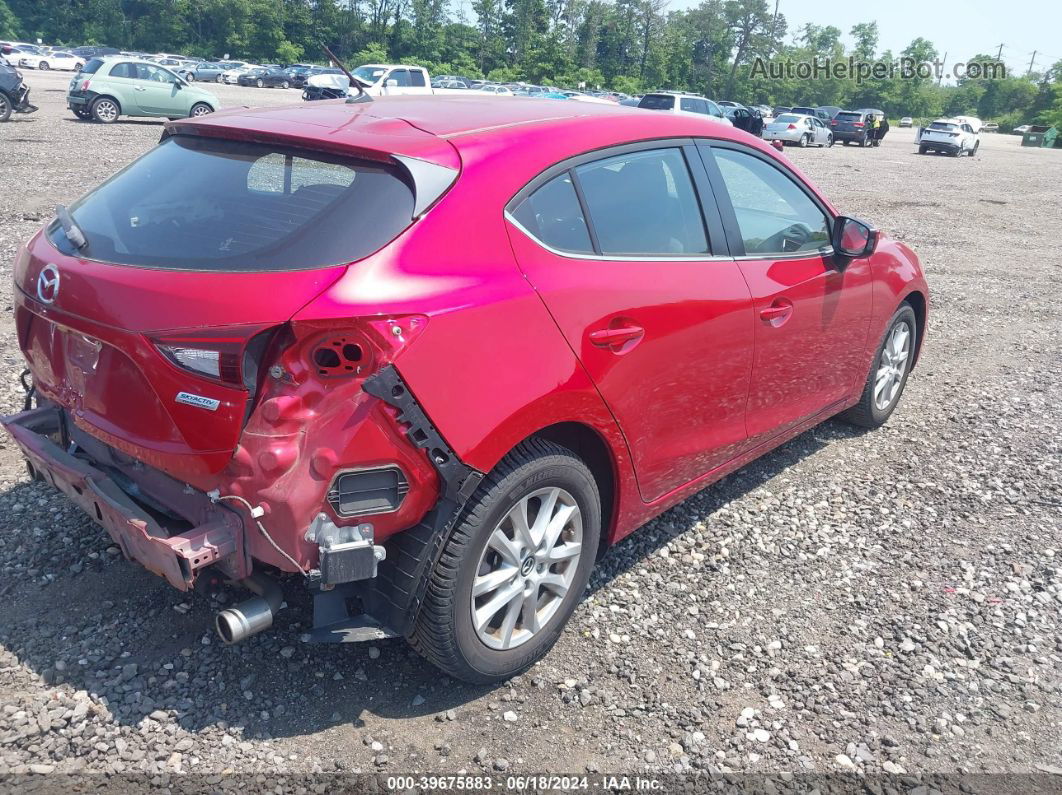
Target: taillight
791, 127
857, 124
84, 85
833, 123
231, 356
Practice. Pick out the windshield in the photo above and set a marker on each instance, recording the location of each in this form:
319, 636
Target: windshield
370, 74
217, 205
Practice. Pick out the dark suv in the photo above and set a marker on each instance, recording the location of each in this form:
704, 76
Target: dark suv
850, 125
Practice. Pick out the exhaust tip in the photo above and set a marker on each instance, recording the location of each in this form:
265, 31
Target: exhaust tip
248, 618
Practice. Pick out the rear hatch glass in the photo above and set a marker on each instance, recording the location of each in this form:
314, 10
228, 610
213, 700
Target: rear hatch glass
92, 66
657, 102
210, 204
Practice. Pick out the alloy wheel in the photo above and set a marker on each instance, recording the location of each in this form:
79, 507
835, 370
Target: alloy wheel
526, 568
106, 110
892, 366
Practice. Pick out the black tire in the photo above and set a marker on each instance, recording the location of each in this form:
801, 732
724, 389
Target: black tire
200, 109
5, 107
804, 141
43, 66
922, 150
101, 110
864, 141
866, 413
284, 84
973, 152
219, 79
846, 142
443, 631
829, 141
83, 114
259, 83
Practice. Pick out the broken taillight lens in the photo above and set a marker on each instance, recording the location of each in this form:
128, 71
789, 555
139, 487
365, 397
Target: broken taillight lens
791, 127
231, 356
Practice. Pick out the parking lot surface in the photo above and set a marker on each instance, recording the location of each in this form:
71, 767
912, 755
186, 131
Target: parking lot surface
887, 601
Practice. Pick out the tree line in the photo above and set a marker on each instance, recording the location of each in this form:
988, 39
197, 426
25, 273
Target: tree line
626, 45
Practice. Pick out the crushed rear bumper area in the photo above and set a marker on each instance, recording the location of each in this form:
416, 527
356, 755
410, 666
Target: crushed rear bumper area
214, 536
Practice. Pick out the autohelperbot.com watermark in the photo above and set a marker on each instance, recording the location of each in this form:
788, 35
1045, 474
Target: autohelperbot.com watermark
851, 68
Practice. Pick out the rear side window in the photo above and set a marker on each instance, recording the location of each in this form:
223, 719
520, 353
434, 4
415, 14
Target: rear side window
643, 203
657, 102
211, 204
416, 77
552, 215
123, 70
693, 105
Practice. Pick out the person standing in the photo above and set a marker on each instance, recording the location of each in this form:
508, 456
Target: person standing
882, 128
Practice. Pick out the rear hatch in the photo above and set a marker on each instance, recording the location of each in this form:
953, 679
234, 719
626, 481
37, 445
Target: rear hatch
942, 132
156, 332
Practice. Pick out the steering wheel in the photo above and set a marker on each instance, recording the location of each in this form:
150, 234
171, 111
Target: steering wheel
793, 237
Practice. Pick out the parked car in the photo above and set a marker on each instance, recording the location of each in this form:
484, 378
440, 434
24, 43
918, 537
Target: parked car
802, 111
689, 104
208, 72
778, 110
272, 77
906, 121
14, 93
1021, 130
850, 126
990, 127
282, 396
498, 90
231, 75
745, 119
114, 86
827, 112
799, 129
949, 136
85, 53
59, 60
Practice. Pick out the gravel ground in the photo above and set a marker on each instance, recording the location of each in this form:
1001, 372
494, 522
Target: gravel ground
885, 602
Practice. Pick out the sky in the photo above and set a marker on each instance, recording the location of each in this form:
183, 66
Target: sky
962, 28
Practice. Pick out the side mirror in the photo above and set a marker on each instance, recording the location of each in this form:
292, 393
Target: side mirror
390, 82
853, 238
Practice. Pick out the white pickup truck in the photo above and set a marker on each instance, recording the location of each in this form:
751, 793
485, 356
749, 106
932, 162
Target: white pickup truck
383, 80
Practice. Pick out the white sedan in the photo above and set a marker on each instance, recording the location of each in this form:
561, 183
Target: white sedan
65, 61
231, 76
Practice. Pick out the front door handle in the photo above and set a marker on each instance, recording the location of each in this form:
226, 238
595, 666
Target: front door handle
777, 313
616, 338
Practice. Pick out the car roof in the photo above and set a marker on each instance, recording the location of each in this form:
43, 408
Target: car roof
433, 127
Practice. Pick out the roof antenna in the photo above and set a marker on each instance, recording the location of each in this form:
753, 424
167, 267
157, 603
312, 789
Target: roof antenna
354, 82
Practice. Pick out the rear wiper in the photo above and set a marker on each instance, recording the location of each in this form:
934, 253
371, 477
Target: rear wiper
70, 228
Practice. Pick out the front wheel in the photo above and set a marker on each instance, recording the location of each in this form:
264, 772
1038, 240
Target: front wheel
259, 83
200, 109
284, 84
888, 374
5, 107
514, 568
44, 66
973, 151
922, 150
829, 141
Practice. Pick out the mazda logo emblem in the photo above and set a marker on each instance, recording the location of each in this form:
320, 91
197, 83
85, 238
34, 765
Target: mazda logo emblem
48, 284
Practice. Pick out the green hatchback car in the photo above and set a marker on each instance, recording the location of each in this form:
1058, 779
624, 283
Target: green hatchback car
114, 86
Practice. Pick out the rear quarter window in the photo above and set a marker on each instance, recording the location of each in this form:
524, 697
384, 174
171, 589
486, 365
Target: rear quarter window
211, 204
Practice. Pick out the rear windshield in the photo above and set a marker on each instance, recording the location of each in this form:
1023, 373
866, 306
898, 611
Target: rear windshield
847, 115
211, 204
657, 102
91, 67
787, 118
940, 125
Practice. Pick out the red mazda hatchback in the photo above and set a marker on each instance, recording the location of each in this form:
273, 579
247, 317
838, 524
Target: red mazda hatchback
435, 355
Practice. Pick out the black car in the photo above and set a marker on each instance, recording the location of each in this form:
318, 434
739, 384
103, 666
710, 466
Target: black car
14, 94
272, 77
747, 119
297, 74
850, 126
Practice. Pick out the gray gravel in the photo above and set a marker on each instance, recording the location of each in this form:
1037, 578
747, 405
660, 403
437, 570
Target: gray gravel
880, 602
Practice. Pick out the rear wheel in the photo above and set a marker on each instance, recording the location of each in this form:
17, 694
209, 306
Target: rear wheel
5, 107
514, 568
888, 374
846, 142
105, 110
829, 140
804, 141
219, 79
284, 84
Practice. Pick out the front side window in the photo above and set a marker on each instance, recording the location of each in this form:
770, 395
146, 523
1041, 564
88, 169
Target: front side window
212, 204
643, 203
773, 214
713, 109
552, 214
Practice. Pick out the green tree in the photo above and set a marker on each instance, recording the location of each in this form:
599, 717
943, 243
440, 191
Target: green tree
8, 22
